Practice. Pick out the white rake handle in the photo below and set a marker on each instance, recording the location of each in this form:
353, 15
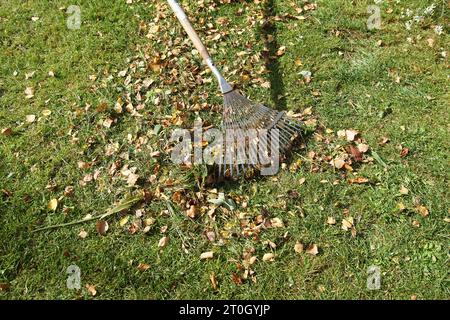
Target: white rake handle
179, 12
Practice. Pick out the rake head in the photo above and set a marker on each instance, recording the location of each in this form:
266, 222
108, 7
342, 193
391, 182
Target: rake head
243, 116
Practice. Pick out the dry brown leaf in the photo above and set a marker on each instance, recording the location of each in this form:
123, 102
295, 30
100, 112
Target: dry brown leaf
404, 152
29, 92
6, 131
83, 234
357, 155
4, 287
351, 135
423, 211
132, 179
298, 247
363, 148
276, 223
338, 163
143, 266
268, 257
347, 223
91, 289
102, 227
192, 212
236, 279
312, 249
281, 51
213, 280
358, 180
163, 242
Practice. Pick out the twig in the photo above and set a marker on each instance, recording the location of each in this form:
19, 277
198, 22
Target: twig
126, 204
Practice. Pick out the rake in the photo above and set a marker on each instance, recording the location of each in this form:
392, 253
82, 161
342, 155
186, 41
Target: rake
242, 115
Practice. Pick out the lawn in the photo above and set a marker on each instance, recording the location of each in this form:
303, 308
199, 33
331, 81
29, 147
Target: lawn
86, 115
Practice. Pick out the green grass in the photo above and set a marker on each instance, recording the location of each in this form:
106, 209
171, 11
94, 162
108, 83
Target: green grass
353, 87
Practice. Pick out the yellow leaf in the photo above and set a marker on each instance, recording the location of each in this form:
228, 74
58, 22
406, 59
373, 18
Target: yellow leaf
124, 221
423, 211
46, 112
52, 205
331, 220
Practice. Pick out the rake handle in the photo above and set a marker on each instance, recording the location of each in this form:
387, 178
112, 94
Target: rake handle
179, 12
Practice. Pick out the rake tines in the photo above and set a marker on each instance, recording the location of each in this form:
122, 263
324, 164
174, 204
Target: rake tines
241, 116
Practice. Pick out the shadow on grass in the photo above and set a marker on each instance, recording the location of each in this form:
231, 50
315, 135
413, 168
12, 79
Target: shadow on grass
268, 34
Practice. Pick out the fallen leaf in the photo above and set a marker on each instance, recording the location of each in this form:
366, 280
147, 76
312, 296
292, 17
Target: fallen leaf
192, 212
83, 234
124, 221
52, 205
30, 118
143, 266
206, 255
404, 152
213, 280
347, 223
46, 112
101, 107
416, 224
102, 227
281, 51
404, 190
338, 163
4, 287
363, 148
276, 223
423, 211
331, 220
132, 179
383, 141
351, 135
68, 191
236, 279
108, 122
29, 92
401, 206
211, 235
6, 131
91, 289
357, 155
358, 180
163, 242
312, 249
268, 257
298, 247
